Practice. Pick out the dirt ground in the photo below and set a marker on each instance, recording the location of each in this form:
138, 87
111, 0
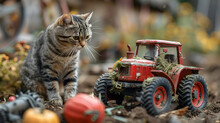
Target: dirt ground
131, 112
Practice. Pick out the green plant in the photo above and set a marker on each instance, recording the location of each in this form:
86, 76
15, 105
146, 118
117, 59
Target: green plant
10, 70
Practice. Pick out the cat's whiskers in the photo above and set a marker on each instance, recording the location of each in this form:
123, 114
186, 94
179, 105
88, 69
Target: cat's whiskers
96, 33
97, 29
90, 52
95, 47
87, 53
96, 21
93, 50
56, 57
73, 50
70, 51
70, 54
65, 50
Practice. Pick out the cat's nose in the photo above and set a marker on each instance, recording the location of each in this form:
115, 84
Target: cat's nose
82, 43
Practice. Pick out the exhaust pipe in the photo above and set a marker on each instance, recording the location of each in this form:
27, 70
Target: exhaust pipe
129, 52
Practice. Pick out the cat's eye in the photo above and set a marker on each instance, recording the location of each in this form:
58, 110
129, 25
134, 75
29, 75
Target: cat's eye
76, 37
87, 37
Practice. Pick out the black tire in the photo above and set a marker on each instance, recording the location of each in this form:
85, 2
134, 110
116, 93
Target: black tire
186, 89
103, 86
151, 90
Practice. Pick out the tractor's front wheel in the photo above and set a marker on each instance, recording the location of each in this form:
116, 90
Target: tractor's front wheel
193, 92
102, 90
157, 96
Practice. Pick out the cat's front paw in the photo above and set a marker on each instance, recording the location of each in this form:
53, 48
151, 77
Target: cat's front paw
57, 102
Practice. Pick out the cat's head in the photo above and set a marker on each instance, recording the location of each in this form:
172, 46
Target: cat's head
73, 30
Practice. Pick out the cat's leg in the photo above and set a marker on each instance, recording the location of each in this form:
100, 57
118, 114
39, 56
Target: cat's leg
70, 83
51, 83
30, 81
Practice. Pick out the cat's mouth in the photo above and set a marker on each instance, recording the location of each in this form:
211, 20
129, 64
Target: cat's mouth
82, 43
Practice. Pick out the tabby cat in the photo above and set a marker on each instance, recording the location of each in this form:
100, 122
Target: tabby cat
52, 62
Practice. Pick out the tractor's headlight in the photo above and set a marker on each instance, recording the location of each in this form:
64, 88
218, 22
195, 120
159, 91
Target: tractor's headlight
124, 71
138, 75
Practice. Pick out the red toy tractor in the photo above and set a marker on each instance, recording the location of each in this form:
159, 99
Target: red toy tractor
153, 74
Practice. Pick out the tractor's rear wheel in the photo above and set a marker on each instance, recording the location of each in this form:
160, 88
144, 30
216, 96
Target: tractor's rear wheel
193, 92
102, 88
157, 96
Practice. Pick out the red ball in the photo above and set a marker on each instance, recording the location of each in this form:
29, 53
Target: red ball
84, 109
11, 98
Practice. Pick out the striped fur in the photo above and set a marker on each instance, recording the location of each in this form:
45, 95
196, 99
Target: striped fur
52, 61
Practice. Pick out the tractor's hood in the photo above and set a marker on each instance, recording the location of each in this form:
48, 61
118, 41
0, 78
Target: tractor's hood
140, 62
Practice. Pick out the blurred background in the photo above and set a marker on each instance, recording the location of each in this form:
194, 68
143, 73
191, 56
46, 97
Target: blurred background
194, 23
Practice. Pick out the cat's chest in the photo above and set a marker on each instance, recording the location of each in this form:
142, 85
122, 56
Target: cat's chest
63, 65
60, 64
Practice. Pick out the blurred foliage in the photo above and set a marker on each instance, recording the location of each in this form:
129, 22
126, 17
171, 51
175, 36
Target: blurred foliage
188, 27
10, 70
114, 76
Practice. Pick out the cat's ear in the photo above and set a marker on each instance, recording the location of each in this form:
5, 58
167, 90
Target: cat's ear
65, 19
87, 16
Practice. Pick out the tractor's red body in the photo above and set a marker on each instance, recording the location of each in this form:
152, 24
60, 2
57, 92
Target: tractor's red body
146, 67
139, 66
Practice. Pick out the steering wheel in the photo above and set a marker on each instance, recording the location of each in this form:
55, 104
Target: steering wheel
148, 58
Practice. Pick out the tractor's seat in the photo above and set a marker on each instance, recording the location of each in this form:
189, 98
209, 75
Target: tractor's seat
170, 58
